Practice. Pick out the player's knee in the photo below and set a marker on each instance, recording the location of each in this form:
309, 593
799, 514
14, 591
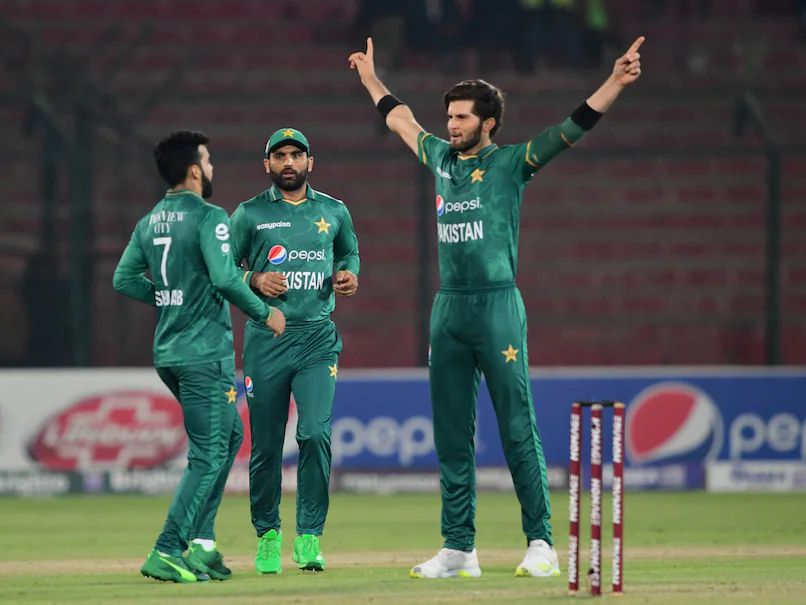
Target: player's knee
317, 436
209, 464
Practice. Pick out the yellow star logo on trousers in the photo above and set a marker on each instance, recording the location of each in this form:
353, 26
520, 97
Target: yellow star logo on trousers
511, 354
231, 394
334, 370
323, 226
476, 175
288, 133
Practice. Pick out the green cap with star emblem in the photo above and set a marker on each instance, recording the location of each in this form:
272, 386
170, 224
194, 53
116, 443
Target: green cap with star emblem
287, 136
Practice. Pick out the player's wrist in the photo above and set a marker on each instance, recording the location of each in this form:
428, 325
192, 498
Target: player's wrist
253, 279
270, 315
614, 82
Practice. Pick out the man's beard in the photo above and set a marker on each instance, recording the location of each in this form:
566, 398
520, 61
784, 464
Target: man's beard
207, 187
285, 183
474, 140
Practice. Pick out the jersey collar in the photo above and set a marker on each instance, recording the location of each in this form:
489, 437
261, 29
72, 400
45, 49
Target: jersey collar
275, 195
185, 191
483, 153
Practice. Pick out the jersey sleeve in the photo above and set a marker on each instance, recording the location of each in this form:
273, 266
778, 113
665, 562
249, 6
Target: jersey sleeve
129, 277
239, 232
345, 245
527, 158
431, 150
216, 247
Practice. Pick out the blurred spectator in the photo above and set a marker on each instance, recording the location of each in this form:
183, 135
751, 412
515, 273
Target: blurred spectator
595, 33
551, 27
685, 8
496, 28
802, 18
443, 27
385, 21
776, 8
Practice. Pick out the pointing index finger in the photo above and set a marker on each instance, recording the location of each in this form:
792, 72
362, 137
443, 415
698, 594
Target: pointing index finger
370, 49
636, 45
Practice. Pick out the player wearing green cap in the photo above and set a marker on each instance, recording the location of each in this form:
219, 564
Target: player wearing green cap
293, 238
478, 321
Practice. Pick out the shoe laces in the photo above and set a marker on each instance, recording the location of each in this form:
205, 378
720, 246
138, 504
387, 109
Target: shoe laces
310, 545
267, 547
445, 553
541, 549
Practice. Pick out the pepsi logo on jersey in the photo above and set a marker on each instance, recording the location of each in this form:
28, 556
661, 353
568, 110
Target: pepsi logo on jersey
278, 254
444, 207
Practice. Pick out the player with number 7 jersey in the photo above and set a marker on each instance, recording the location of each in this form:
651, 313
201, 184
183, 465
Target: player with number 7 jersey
184, 242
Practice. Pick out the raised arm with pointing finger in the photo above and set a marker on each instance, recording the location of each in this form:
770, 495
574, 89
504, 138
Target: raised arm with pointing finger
478, 322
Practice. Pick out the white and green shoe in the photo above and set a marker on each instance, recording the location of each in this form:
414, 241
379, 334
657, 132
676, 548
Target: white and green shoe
449, 563
540, 561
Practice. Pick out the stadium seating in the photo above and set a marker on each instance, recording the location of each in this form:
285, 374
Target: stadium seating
645, 245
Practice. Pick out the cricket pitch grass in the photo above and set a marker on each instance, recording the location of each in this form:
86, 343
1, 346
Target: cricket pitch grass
680, 548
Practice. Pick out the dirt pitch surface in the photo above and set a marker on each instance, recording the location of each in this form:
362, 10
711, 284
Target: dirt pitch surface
403, 560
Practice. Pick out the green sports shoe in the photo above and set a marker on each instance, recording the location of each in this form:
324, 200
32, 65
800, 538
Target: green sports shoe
210, 562
307, 553
170, 569
267, 558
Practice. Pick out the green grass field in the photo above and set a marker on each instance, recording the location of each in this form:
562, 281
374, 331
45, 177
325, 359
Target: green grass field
682, 548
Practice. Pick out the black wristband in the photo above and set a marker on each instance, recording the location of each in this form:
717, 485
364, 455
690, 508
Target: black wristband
387, 104
585, 116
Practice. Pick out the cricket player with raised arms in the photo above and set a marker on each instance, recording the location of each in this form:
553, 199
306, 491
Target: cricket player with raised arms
185, 243
478, 320
294, 239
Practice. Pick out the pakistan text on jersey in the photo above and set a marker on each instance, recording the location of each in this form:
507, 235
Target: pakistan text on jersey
275, 225
460, 232
168, 298
305, 280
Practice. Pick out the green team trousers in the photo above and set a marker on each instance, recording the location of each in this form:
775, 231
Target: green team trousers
206, 393
474, 332
303, 361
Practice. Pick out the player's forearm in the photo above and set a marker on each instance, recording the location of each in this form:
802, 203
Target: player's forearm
377, 90
134, 285
399, 116
603, 98
238, 292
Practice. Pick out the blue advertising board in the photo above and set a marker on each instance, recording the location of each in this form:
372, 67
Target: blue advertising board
678, 417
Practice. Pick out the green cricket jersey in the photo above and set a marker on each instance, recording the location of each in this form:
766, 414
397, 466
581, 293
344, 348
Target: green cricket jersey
304, 240
478, 203
185, 243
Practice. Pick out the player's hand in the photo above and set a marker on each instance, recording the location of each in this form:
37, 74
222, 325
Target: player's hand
628, 67
271, 283
364, 63
346, 283
277, 322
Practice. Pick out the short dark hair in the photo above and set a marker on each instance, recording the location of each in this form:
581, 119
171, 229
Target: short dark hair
176, 153
488, 101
